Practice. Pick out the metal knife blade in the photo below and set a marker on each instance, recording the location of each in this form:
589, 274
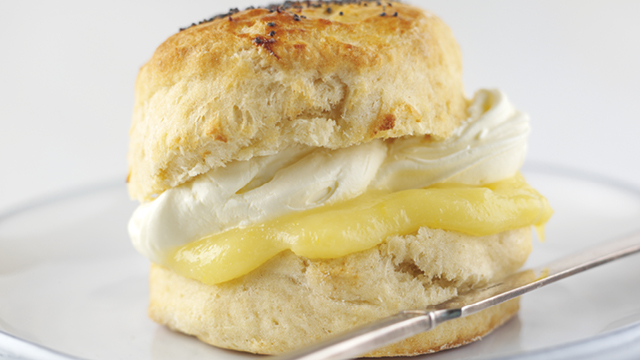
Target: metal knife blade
411, 322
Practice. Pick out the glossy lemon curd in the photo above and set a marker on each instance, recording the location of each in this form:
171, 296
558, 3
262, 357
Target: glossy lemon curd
361, 223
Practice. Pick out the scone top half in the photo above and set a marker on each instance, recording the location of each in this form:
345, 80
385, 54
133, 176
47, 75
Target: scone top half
324, 74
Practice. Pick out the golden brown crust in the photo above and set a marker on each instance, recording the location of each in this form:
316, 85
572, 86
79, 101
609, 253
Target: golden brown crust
257, 81
292, 301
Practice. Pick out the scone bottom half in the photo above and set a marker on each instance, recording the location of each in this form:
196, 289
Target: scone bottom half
292, 301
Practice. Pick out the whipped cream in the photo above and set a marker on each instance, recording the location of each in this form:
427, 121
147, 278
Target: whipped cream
488, 147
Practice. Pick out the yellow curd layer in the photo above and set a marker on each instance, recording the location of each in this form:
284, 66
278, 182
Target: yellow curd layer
361, 223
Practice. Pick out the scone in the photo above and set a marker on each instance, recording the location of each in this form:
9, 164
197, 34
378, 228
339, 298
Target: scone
307, 168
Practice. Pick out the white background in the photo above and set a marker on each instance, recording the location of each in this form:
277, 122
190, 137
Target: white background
67, 70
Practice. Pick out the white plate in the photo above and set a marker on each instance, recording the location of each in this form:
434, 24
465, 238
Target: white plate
70, 282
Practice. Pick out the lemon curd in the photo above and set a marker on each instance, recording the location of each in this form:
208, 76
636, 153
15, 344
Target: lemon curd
361, 223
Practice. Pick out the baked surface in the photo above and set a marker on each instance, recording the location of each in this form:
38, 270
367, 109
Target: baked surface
330, 75
291, 301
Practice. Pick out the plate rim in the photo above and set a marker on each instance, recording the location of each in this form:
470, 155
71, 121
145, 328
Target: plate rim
571, 350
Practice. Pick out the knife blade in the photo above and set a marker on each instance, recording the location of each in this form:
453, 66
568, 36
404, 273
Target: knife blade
412, 322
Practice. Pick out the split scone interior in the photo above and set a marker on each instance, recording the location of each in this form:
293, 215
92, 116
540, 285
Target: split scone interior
309, 168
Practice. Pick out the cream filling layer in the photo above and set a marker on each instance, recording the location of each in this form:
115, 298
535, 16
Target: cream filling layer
488, 147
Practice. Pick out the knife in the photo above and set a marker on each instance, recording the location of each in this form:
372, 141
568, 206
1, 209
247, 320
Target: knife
412, 322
